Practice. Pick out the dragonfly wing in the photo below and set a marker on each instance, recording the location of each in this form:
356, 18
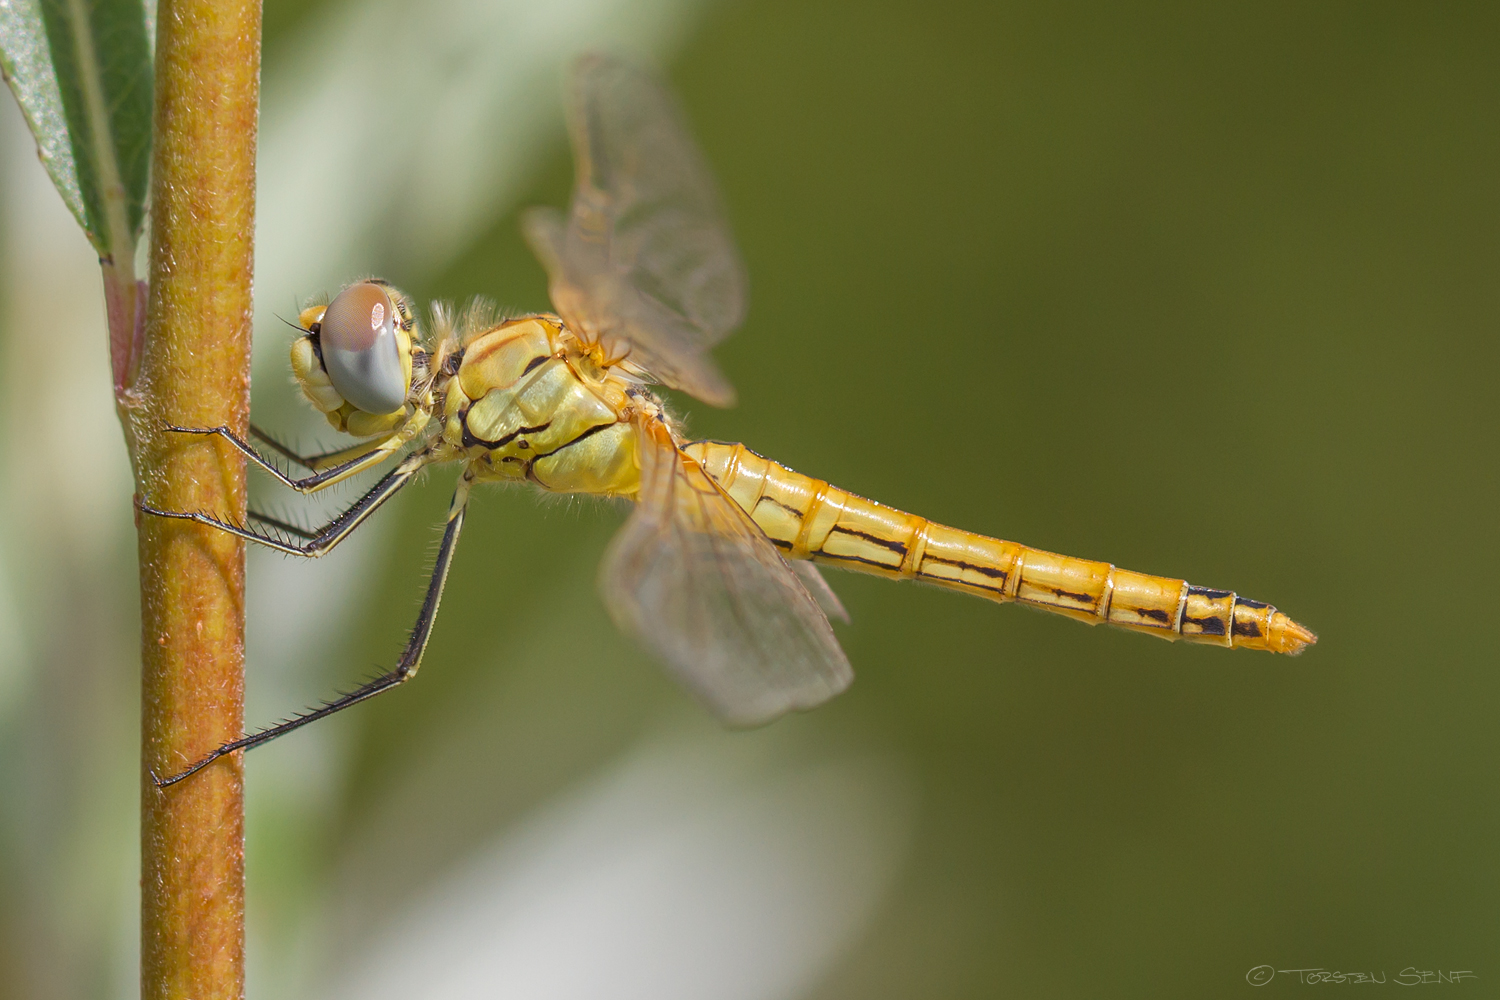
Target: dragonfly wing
818, 587
646, 265
700, 585
546, 231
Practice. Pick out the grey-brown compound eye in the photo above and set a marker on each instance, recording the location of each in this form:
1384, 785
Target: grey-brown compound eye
358, 341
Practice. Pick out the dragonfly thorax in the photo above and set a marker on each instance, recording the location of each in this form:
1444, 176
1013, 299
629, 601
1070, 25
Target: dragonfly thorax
528, 401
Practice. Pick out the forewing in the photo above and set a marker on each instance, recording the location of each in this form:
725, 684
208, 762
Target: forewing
646, 264
700, 585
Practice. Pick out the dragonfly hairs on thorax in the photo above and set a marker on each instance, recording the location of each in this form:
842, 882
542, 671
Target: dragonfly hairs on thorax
715, 570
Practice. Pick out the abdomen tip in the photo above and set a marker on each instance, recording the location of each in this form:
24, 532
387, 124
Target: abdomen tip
1289, 637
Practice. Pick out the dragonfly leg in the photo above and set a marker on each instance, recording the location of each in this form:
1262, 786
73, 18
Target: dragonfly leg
316, 462
364, 457
316, 542
296, 530
405, 669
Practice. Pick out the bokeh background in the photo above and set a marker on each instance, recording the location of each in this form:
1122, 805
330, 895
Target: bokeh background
1203, 290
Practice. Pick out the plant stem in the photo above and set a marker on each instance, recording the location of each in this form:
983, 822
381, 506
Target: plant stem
195, 371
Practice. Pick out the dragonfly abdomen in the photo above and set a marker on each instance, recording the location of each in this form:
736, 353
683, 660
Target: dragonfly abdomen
807, 518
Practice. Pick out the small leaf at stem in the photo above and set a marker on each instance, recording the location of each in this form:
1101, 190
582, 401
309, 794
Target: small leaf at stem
126, 308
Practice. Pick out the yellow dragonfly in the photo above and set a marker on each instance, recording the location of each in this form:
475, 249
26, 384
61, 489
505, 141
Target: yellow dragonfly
715, 571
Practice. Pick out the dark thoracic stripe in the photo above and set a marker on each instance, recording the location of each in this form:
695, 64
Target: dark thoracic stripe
532, 364
470, 439
897, 547
586, 434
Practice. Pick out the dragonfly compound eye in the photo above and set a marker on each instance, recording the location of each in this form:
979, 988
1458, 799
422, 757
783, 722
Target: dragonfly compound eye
360, 349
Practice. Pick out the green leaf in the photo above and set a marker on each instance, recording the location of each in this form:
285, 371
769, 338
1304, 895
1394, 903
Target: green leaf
26, 62
81, 70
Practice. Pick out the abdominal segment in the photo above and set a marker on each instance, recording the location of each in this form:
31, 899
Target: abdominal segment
807, 518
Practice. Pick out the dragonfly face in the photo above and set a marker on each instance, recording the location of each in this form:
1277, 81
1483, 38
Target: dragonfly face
359, 349
355, 362
714, 570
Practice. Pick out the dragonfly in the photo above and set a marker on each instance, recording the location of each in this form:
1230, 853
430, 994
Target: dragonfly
715, 570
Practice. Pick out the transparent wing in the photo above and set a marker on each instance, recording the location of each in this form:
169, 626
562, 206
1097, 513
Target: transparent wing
693, 578
644, 262
820, 590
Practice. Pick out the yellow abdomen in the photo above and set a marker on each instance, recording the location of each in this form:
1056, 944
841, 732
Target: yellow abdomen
809, 519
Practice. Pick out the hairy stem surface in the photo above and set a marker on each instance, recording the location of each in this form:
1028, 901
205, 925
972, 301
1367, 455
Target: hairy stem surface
195, 371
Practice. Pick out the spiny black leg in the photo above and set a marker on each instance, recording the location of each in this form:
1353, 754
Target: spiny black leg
306, 534
406, 667
319, 541
307, 484
313, 462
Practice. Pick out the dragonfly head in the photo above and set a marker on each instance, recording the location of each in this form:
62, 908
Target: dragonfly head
355, 361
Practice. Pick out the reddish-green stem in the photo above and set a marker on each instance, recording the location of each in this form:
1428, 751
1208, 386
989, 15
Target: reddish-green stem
195, 371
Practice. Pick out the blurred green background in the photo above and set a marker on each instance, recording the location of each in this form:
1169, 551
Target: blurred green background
1204, 291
